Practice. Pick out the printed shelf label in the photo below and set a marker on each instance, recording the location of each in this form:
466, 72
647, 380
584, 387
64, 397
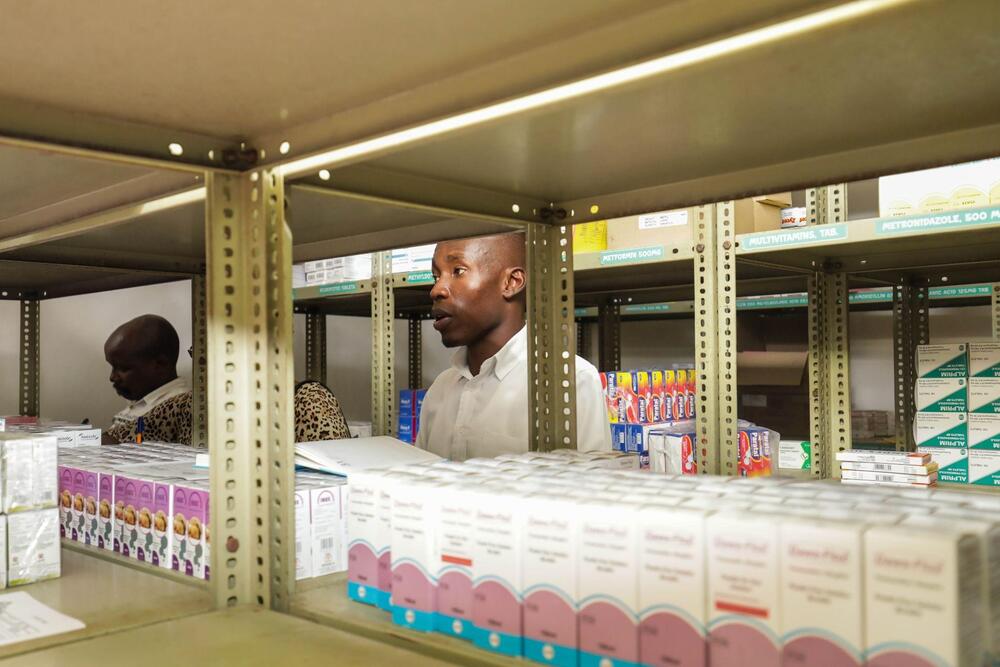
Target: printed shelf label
795, 237
632, 256
419, 278
922, 223
338, 288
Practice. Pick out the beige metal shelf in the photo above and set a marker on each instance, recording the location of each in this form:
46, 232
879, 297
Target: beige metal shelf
245, 637
329, 605
109, 597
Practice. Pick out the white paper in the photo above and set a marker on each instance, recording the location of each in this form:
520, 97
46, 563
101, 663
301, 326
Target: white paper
23, 618
663, 219
341, 457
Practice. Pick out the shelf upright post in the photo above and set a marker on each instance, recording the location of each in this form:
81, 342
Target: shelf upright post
609, 340
551, 343
199, 364
818, 385
706, 336
316, 347
910, 328
383, 344
837, 338
416, 371
30, 356
250, 378
827, 204
995, 310
725, 248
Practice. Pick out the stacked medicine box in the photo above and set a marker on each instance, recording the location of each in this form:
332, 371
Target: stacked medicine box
29, 522
641, 402
958, 411
410, 403
151, 503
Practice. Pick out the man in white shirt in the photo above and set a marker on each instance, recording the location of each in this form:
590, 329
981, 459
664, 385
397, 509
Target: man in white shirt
479, 406
143, 357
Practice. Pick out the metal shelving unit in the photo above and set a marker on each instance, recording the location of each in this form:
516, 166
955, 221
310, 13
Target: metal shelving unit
571, 128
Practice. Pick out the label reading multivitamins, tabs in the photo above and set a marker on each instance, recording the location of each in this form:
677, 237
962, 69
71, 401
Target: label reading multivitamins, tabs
942, 395
984, 395
984, 432
943, 361
984, 468
942, 429
953, 463
984, 360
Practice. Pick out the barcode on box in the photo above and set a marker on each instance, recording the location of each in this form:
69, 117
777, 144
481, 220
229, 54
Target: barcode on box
326, 543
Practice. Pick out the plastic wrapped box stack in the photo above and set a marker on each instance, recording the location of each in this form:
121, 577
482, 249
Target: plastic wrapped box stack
958, 411
150, 503
563, 560
29, 522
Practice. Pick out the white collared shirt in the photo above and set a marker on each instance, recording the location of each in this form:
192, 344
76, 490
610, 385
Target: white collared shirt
466, 416
139, 408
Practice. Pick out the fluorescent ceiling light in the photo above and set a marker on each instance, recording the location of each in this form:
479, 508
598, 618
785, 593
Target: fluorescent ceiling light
674, 61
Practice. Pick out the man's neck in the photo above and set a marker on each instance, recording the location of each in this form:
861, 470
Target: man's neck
491, 343
166, 381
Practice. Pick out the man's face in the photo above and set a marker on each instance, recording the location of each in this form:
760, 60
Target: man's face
467, 293
132, 375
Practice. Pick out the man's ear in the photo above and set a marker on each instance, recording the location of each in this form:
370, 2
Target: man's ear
514, 282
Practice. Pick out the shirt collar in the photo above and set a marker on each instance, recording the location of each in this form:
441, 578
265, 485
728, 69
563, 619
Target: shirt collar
164, 391
513, 353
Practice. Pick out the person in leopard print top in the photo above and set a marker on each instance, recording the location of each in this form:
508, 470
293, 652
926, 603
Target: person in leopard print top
143, 357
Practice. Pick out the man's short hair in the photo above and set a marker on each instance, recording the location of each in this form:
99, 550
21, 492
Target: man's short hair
158, 338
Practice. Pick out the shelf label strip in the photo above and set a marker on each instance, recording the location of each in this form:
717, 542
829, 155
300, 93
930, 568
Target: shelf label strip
913, 224
796, 237
632, 256
338, 288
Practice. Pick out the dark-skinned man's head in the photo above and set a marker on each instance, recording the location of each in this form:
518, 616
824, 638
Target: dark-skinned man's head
143, 356
478, 287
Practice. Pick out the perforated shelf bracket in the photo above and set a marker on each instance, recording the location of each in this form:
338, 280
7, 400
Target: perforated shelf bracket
28, 369
250, 379
551, 340
383, 344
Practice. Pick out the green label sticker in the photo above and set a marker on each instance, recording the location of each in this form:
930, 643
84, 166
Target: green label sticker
639, 308
803, 236
633, 256
959, 292
338, 288
922, 223
760, 302
420, 278
871, 296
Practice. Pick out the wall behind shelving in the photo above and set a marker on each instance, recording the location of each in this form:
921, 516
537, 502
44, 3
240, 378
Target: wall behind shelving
75, 375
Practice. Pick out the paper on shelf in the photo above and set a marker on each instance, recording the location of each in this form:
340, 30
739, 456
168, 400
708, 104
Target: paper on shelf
23, 618
341, 457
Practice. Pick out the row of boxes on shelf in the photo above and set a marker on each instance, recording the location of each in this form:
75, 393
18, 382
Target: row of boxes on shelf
858, 466
532, 556
29, 520
649, 396
673, 448
359, 267
958, 411
149, 502
408, 414
67, 434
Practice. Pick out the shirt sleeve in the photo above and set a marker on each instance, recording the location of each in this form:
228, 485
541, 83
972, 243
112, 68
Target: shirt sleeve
593, 432
120, 431
318, 415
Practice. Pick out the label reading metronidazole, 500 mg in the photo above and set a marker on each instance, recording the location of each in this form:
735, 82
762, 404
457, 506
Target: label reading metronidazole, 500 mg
943, 361
942, 395
803, 236
923, 223
942, 429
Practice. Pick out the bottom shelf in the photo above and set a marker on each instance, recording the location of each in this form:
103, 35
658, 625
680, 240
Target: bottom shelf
108, 597
245, 637
329, 605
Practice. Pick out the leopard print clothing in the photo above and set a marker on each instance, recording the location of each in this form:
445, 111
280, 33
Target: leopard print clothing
318, 415
170, 421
